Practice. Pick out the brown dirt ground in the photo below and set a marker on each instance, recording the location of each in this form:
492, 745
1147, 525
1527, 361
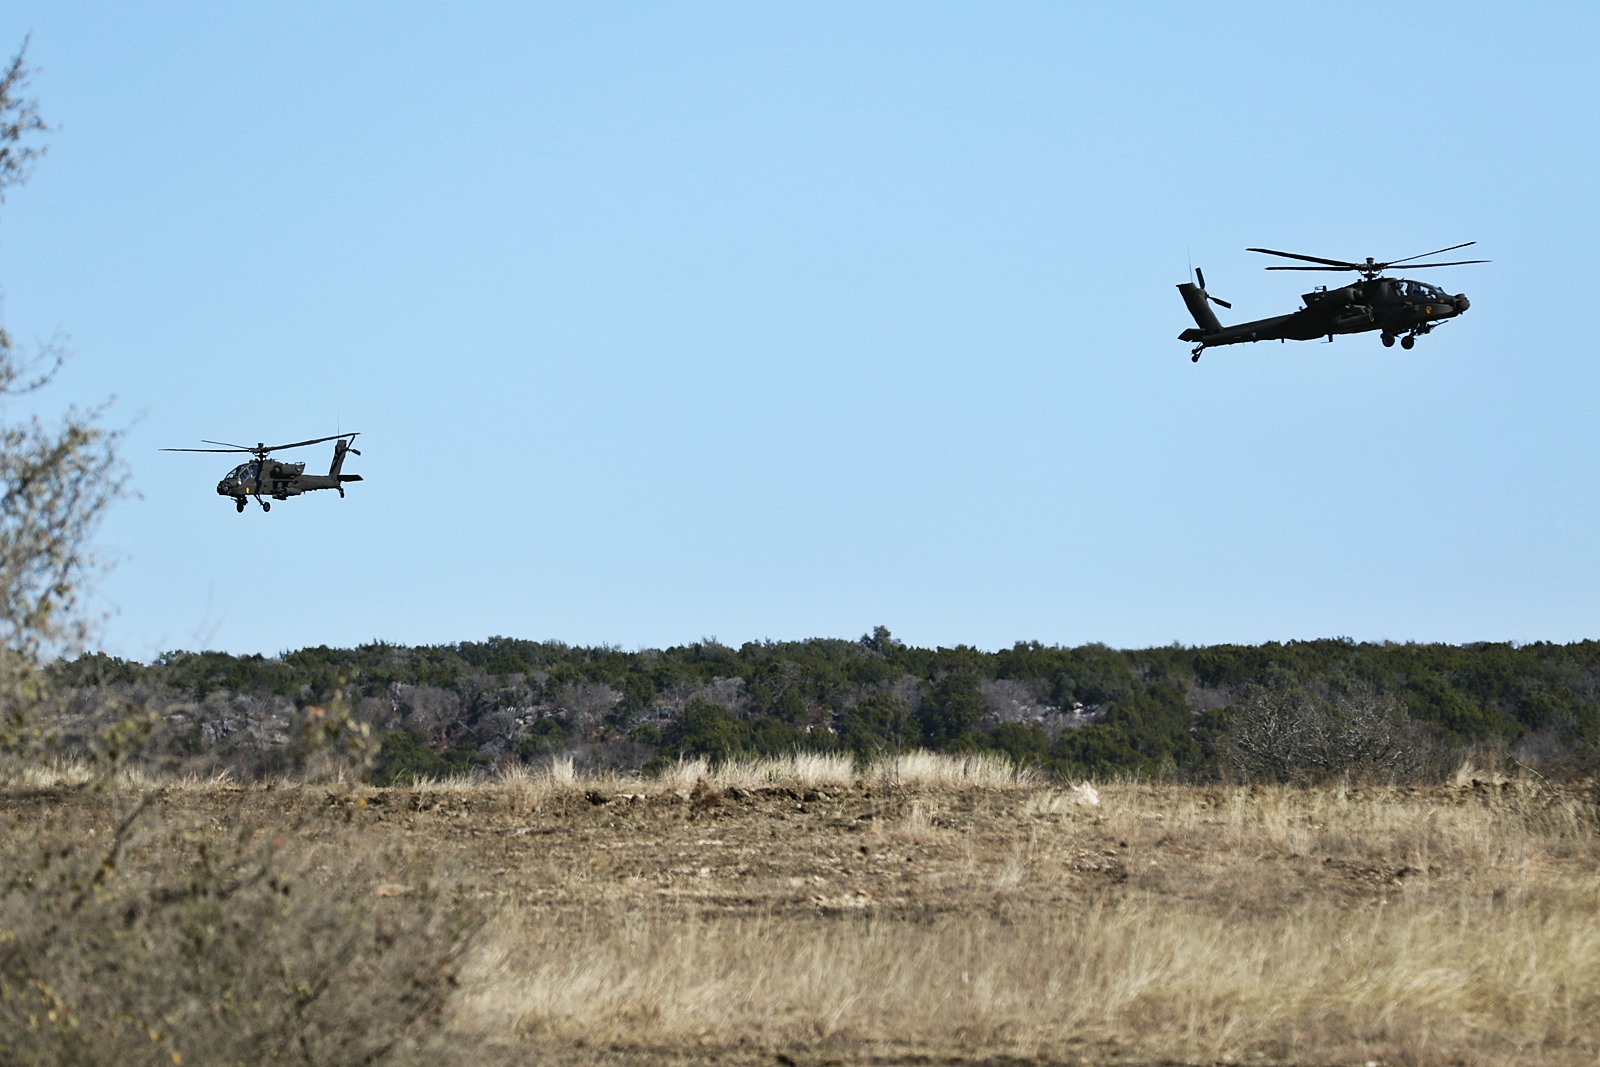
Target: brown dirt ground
817, 852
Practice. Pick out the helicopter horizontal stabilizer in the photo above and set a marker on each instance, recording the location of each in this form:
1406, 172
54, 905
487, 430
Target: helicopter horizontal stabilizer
350, 477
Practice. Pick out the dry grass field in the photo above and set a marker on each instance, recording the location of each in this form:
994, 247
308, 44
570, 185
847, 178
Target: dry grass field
938, 912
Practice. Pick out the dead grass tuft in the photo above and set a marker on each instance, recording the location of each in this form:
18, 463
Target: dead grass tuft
930, 770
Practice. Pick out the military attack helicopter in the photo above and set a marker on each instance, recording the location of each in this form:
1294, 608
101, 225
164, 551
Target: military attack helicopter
263, 477
1397, 307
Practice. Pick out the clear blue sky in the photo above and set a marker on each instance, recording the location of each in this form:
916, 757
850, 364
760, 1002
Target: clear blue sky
663, 322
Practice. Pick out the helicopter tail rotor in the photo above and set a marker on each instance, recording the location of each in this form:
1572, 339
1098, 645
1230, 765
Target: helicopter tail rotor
341, 448
1201, 276
1199, 303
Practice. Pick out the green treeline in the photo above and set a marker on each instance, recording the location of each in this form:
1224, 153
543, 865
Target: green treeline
1299, 710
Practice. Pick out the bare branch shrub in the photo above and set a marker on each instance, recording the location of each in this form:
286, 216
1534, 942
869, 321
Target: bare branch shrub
148, 941
19, 117
586, 706
55, 484
1285, 734
1008, 700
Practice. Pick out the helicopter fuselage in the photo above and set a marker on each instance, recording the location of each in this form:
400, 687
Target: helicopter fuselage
274, 479
263, 477
1395, 306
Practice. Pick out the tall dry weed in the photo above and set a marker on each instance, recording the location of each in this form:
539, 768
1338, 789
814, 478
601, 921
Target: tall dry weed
1219, 924
933, 770
1410, 982
148, 937
798, 770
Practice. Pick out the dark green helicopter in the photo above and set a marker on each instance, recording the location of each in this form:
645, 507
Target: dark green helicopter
1398, 307
263, 477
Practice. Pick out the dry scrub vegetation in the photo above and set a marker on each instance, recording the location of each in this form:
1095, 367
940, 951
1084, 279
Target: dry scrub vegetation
934, 911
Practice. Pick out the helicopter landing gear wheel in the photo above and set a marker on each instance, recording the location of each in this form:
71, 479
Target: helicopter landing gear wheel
265, 506
1408, 342
238, 505
1388, 340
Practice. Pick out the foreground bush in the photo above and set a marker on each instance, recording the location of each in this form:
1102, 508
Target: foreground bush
131, 934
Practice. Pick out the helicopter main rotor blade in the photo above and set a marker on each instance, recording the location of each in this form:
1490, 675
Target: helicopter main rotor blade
262, 450
301, 444
1342, 264
1452, 263
1379, 267
1435, 252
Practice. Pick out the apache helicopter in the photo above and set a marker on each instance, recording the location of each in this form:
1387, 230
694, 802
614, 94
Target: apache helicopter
1396, 306
263, 477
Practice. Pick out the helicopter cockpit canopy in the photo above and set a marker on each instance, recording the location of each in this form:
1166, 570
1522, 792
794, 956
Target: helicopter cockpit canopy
1411, 290
243, 472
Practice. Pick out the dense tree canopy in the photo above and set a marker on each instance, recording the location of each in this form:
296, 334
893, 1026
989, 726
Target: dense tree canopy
1091, 710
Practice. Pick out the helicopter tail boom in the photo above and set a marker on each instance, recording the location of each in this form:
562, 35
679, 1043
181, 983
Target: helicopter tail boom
1200, 307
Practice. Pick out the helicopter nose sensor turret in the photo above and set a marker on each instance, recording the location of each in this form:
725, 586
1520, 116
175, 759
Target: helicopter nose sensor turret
1462, 303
